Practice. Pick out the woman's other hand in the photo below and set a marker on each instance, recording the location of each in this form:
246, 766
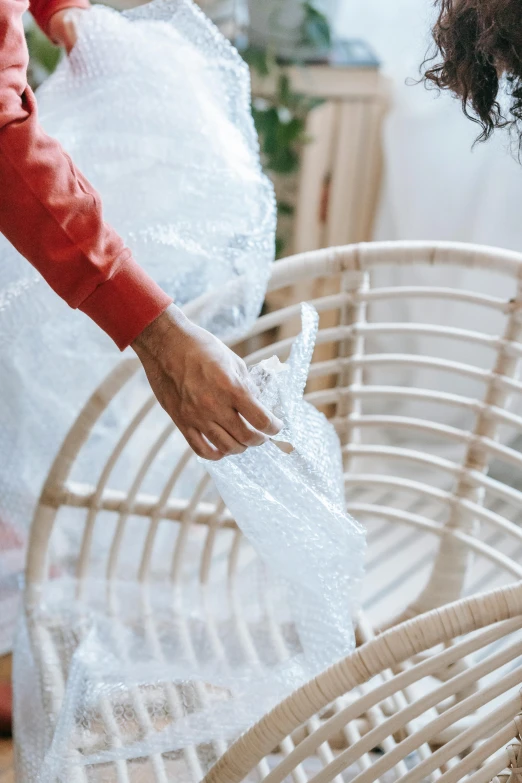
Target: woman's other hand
64, 25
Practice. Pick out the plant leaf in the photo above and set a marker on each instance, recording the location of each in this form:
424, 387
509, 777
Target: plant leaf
284, 208
316, 28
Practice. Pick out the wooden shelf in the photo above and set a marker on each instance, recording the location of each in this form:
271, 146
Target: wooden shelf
340, 173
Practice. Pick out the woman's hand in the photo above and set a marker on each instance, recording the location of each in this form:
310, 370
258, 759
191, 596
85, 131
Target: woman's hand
203, 386
63, 26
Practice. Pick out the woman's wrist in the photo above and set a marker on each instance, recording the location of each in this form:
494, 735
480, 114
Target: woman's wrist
172, 322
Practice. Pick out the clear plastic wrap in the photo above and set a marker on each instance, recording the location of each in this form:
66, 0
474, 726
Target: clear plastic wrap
154, 107
151, 681
291, 506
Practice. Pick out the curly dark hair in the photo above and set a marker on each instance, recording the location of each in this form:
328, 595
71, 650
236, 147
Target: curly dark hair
479, 42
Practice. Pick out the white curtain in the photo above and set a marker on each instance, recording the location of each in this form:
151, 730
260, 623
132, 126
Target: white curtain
436, 187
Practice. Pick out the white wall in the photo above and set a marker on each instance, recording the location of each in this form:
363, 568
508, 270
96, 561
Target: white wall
435, 187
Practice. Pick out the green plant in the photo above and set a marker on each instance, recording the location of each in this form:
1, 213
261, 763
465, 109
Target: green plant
280, 119
43, 55
315, 29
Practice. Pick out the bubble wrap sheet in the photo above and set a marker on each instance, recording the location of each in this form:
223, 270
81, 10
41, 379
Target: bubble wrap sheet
291, 506
154, 107
150, 682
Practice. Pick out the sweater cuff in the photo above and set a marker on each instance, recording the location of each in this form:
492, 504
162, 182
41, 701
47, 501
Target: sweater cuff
126, 304
43, 11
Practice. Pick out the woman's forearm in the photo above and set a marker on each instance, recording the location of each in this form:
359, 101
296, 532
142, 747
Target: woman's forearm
52, 215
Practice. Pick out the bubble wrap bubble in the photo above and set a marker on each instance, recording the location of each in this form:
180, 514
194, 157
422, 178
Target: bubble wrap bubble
154, 107
151, 682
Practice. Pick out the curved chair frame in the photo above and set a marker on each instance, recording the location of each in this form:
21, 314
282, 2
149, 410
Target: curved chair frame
488, 611
440, 613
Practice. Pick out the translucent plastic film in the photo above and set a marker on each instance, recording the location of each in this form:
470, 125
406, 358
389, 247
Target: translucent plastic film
152, 680
291, 506
154, 107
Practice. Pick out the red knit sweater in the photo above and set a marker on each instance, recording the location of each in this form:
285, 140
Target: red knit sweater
48, 210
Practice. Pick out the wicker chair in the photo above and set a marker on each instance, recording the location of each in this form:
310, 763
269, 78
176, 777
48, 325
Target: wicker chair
432, 690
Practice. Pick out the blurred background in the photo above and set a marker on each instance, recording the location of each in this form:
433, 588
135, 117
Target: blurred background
359, 149
356, 149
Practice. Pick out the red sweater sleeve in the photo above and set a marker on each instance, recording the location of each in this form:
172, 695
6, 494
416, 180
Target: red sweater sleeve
51, 214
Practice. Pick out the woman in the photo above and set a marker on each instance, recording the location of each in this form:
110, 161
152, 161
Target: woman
52, 215
480, 47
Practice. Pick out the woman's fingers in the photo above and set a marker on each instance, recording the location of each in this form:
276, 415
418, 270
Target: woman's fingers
224, 441
201, 446
256, 414
63, 26
241, 430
